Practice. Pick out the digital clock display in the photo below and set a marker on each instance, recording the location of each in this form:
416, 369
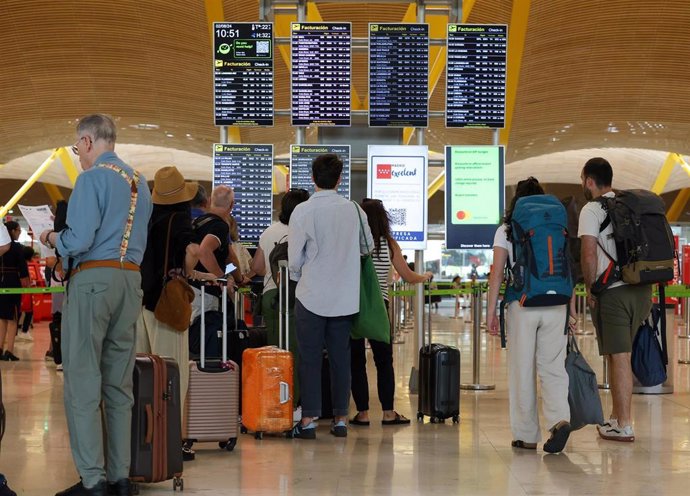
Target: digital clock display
243, 74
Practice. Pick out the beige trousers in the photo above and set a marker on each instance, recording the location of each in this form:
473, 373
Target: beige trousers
155, 337
536, 345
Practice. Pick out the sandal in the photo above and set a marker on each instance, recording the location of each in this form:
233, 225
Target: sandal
355, 421
398, 420
524, 445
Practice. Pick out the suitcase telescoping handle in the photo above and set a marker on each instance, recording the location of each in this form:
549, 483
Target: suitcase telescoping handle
224, 309
426, 320
284, 305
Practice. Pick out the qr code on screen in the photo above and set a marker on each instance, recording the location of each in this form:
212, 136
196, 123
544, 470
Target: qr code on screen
398, 216
263, 47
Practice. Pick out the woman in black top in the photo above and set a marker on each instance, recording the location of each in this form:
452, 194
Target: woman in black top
14, 273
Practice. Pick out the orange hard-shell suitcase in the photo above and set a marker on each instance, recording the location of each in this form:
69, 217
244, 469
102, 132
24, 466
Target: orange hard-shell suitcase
267, 387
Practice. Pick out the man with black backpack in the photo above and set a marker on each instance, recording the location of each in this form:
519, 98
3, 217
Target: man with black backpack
618, 306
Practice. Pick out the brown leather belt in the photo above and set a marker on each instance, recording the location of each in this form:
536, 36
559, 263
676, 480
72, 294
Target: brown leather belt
111, 264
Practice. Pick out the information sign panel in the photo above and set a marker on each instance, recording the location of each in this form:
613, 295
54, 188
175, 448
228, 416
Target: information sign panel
476, 75
243, 73
398, 75
475, 198
301, 158
397, 175
321, 73
248, 169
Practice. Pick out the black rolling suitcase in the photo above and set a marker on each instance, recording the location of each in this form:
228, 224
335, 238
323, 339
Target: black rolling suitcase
439, 380
156, 422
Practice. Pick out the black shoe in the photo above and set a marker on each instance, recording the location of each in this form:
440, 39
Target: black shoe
559, 436
300, 431
188, 454
339, 429
8, 356
4, 488
78, 489
120, 488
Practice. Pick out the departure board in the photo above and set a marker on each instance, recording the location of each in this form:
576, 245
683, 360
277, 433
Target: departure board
301, 158
476, 75
243, 73
398, 75
321, 67
248, 169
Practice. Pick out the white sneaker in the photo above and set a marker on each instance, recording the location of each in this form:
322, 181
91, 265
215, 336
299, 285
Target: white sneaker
611, 431
297, 414
24, 336
58, 368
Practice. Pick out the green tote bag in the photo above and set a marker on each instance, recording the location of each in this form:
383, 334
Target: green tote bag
372, 320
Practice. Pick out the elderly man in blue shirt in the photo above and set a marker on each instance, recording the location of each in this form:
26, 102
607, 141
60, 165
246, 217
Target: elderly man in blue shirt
326, 242
107, 221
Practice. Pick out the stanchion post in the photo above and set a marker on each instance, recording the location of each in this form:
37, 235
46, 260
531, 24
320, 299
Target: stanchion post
604, 384
686, 319
476, 344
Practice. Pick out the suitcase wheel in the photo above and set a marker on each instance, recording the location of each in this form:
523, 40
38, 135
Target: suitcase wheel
258, 435
178, 482
243, 429
420, 417
456, 419
436, 420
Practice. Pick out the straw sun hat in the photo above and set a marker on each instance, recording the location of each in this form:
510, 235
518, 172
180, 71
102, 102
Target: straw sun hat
169, 187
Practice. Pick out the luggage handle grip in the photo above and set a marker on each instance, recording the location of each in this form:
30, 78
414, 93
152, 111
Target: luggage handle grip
284, 392
149, 423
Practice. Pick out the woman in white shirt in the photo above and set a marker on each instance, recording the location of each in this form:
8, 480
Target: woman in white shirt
537, 345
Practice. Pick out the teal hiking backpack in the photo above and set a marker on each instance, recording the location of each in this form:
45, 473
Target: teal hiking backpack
541, 274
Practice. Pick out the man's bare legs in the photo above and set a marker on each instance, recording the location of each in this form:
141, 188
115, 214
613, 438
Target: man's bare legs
621, 387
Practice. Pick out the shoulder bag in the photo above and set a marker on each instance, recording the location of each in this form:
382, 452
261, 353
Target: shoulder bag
174, 307
372, 320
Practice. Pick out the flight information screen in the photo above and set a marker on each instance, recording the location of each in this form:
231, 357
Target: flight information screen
398, 75
243, 73
476, 75
248, 169
301, 158
321, 73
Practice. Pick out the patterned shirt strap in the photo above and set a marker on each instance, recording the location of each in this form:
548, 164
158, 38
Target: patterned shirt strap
132, 181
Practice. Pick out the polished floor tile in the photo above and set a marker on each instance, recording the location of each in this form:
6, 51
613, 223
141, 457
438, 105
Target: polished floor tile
472, 458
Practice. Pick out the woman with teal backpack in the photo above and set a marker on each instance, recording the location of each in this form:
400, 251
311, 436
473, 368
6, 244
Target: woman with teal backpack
533, 240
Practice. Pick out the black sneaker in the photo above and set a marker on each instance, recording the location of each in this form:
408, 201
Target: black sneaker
4, 488
120, 488
188, 454
339, 429
559, 436
300, 431
78, 489
8, 356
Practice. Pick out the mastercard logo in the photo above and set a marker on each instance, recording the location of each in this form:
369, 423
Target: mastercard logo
463, 215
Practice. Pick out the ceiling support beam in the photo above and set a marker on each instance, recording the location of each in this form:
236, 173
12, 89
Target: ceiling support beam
517, 34
672, 159
53, 192
29, 182
678, 205
68, 165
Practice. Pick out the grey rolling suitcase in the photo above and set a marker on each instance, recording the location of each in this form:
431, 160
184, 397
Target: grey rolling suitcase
213, 398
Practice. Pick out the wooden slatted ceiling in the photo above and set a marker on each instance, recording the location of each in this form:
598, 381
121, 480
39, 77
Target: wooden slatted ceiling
595, 74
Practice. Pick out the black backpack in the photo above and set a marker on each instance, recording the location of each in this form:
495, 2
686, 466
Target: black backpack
643, 237
574, 244
278, 253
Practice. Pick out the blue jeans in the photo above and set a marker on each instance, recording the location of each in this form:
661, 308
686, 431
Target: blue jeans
313, 333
